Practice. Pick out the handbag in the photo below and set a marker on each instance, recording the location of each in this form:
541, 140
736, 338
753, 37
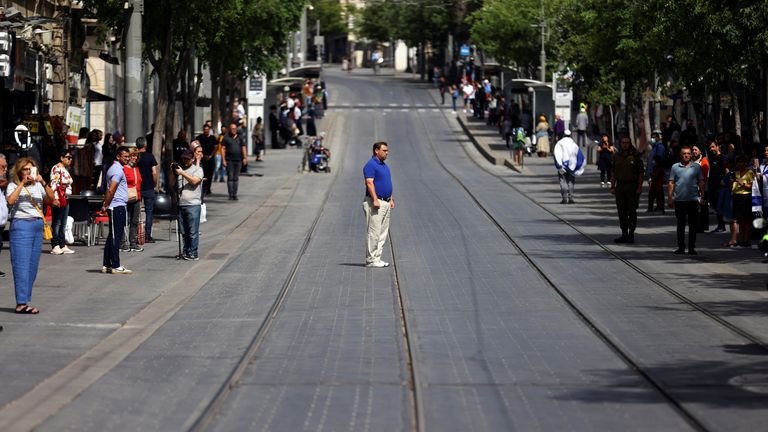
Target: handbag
47, 231
61, 193
133, 194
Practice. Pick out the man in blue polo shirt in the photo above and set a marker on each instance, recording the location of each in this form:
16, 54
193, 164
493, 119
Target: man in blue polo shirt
377, 205
686, 184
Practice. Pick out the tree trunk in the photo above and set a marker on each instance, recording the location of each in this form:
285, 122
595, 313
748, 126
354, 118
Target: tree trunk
646, 123
216, 97
737, 116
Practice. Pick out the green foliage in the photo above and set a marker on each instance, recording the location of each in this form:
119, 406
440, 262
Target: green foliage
414, 22
230, 33
502, 29
331, 16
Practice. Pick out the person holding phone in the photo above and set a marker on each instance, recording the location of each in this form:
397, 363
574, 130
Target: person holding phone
26, 194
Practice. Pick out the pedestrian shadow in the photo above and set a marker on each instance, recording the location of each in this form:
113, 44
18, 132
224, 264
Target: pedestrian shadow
93, 271
8, 310
352, 264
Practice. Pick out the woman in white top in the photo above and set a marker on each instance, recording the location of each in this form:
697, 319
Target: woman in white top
25, 195
61, 184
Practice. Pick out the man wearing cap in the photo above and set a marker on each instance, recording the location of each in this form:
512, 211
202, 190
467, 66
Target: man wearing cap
377, 204
569, 161
190, 179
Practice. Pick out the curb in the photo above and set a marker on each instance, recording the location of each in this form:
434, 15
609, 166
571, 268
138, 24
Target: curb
485, 152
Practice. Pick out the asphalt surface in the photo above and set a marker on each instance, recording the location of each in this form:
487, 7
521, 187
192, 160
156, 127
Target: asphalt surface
461, 333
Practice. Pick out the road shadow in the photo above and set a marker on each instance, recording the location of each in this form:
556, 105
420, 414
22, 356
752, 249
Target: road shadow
352, 264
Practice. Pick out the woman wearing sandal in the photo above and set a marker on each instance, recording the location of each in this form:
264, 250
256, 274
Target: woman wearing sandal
25, 195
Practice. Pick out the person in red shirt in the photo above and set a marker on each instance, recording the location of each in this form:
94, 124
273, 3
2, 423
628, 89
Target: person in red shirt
701, 159
133, 177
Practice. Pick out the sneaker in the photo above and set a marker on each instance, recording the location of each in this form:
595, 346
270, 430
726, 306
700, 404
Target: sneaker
137, 249
602, 184
190, 257
149, 240
571, 201
105, 269
719, 230
622, 239
377, 264
563, 201
386, 264
67, 250
57, 251
631, 238
125, 249
679, 251
121, 270
2, 274
692, 252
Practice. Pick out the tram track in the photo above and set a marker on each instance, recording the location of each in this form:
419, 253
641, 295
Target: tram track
579, 312
205, 418
735, 329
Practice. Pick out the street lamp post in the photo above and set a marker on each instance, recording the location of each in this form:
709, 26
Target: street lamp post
543, 53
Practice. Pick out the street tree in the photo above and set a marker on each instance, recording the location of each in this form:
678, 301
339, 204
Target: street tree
233, 37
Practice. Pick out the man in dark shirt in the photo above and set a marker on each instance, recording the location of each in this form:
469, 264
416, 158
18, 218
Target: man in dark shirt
208, 142
147, 165
235, 157
715, 182
274, 127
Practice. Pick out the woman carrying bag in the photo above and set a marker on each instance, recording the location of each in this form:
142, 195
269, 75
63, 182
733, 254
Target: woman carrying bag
25, 195
61, 184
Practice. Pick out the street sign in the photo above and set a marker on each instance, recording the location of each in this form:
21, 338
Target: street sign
319, 40
464, 50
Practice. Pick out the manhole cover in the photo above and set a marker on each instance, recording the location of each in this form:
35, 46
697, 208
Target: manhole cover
757, 382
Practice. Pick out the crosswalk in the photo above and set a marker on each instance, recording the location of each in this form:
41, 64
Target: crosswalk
388, 107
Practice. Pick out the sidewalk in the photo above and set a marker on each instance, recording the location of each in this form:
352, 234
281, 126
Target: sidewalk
84, 310
730, 282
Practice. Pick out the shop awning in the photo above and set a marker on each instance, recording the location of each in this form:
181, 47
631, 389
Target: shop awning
94, 96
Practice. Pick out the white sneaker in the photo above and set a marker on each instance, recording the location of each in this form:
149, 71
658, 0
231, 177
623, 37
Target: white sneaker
105, 269
67, 250
386, 264
377, 264
56, 251
121, 270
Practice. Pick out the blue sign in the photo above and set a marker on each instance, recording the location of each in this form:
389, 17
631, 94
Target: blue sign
464, 50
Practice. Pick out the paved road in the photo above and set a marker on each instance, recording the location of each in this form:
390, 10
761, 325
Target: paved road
461, 333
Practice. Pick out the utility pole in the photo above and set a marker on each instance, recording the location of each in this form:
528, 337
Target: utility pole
133, 85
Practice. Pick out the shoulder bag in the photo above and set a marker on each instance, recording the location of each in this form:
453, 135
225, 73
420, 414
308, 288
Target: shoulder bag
133, 193
47, 231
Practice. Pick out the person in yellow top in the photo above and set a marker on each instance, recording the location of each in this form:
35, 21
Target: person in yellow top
742, 198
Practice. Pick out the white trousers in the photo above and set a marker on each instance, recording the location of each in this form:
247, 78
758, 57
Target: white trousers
377, 221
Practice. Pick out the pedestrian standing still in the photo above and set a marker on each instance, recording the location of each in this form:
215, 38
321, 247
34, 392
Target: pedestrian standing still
686, 183
377, 205
626, 185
